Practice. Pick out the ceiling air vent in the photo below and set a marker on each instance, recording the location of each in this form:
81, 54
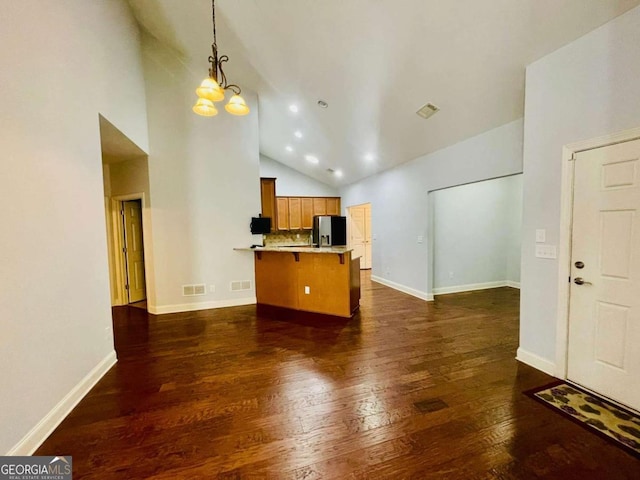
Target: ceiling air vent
330, 170
427, 110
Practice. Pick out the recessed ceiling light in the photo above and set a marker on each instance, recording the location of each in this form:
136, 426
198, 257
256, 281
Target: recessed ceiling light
369, 157
289, 148
298, 134
322, 104
338, 173
311, 159
293, 108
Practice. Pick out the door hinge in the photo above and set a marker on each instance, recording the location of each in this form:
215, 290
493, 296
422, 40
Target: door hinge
124, 249
122, 212
126, 287
569, 280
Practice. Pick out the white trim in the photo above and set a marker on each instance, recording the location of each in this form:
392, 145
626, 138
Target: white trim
513, 284
190, 307
564, 244
469, 287
403, 288
38, 434
536, 361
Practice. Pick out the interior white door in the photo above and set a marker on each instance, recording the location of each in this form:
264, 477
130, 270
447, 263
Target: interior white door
357, 233
604, 316
360, 234
134, 250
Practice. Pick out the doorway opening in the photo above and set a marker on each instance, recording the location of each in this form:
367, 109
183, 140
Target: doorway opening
359, 233
126, 194
475, 236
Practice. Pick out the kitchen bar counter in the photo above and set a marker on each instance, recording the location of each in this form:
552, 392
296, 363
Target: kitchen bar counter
321, 280
297, 249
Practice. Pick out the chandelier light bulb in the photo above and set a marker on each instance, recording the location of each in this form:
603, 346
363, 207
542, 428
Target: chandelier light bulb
205, 107
210, 90
237, 106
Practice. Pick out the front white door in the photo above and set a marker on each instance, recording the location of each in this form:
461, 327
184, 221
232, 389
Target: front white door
604, 315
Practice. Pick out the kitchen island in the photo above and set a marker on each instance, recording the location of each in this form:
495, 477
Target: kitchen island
321, 280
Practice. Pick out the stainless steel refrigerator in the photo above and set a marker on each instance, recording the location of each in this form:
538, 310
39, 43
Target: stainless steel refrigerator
329, 230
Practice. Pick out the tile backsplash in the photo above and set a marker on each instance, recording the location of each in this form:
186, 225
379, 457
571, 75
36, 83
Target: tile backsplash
287, 238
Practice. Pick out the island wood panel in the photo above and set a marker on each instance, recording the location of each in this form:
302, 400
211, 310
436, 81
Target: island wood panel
274, 274
281, 278
354, 284
328, 282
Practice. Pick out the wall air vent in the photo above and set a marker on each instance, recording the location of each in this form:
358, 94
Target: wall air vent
194, 290
427, 110
240, 285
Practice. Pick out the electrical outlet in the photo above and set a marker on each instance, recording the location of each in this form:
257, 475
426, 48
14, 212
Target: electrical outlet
307, 290
450, 274
541, 235
420, 238
212, 288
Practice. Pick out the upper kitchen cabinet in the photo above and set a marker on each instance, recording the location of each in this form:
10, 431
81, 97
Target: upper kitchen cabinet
333, 206
307, 213
295, 213
282, 213
320, 206
268, 199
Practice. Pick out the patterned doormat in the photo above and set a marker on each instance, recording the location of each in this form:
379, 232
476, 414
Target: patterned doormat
611, 422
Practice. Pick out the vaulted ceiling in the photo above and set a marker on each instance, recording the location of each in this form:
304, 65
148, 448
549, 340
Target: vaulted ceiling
375, 62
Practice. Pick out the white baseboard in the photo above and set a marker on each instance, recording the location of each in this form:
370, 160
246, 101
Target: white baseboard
403, 288
38, 434
513, 284
469, 287
536, 361
191, 307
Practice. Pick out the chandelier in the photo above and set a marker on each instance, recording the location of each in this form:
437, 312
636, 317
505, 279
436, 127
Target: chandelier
213, 87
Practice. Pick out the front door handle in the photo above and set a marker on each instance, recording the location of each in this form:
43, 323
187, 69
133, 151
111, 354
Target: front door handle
580, 281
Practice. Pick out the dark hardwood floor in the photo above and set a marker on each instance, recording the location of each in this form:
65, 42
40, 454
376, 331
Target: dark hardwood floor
405, 389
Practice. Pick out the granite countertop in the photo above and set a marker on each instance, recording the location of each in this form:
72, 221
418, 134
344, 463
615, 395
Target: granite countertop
298, 249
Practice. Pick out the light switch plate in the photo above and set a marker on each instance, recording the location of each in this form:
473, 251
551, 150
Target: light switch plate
546, 251
541, 235
307, 290
420, 239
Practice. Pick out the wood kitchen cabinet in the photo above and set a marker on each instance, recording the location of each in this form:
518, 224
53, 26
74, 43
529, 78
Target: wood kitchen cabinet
320, 206
307, 213
282, 213
295, 213
333, 206
268, 199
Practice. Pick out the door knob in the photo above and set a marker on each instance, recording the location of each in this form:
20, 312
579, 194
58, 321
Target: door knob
580, 281
579, 265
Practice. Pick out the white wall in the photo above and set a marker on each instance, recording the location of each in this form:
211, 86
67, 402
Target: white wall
205, 186
399, 209
473, 234
584, 90
514, 240
63, 65
291, 183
